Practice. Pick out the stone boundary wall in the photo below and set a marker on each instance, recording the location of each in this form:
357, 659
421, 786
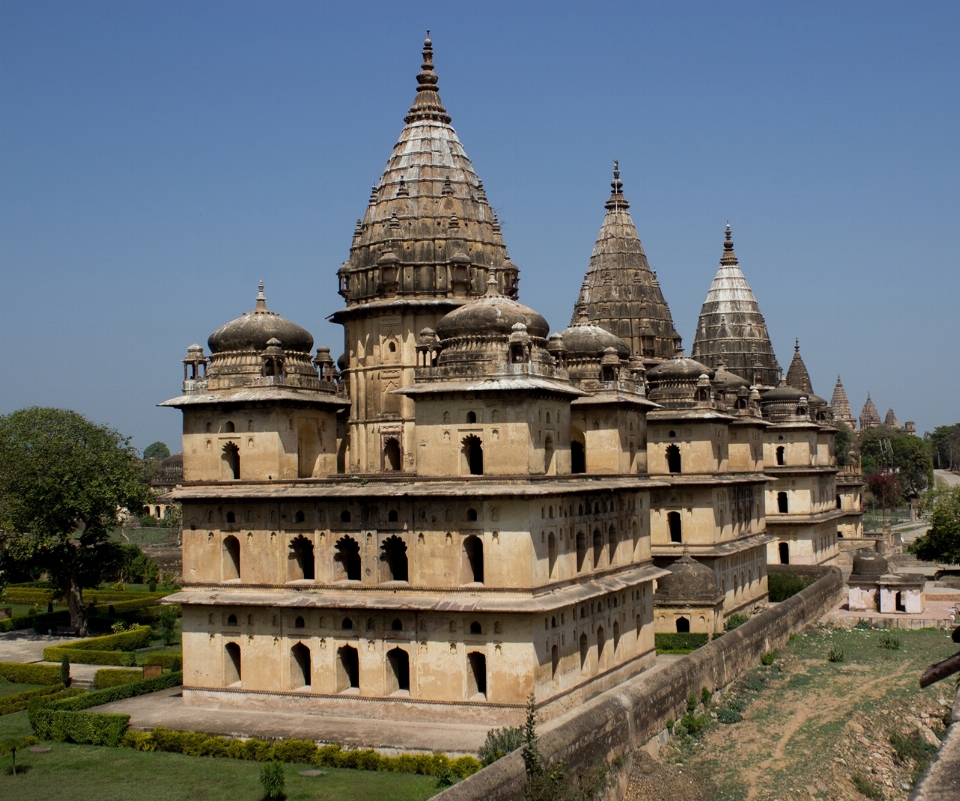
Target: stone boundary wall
620, 721
942, 779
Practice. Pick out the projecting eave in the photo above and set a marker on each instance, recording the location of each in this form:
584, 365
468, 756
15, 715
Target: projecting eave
751, 421
615, 399
805, 519
706, 551
670, 415
467, 487
266, 395
711, 479
395, 305
397, 597
518, 384
780, 470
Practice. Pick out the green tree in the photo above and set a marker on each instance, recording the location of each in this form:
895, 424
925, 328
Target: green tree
841, 442
945, 446
64, 483
942, 542
889, 450
158, 450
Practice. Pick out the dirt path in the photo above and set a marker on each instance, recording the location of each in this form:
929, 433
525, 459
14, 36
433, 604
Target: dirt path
811, 726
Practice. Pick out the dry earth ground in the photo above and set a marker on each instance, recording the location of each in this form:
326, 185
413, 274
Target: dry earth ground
811, 727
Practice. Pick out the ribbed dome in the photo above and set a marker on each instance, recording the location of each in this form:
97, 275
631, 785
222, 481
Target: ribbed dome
783, 393
254, 329
688, 581
679, 369
493, 314
586, 339
869, 565
729, 381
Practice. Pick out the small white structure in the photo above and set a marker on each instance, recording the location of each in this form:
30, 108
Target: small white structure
873, 587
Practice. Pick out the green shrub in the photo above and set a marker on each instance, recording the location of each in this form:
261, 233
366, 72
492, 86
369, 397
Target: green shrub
20, 701
785, 585
113, 678
705, 696
768, 658
727, 715
67, 726
755, 683
679, 641
20, 673
176, 666
499, 743
889, 641
98, 697
464, 766
913, 748
272, 780
694, 724
56, 653
164, 660
295, 751
736, 704
735, 620
138, 740
691, 702
130, 640
835, 654
39, 622
867, 787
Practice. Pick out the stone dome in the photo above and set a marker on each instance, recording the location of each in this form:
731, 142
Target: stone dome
728, 381
491, 315
254, 329
586, 339
688, 581
868, 566
679, 369
783, 393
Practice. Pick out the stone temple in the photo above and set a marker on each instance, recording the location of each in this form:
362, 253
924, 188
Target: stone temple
466, 509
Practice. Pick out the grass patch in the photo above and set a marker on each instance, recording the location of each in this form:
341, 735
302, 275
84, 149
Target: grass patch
785, 585
90, 770
9, 688
866, 787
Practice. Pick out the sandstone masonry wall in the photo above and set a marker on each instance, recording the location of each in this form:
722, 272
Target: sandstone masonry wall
622, 720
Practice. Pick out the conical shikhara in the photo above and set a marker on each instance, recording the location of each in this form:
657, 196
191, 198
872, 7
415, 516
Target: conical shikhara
732, 328
466, 510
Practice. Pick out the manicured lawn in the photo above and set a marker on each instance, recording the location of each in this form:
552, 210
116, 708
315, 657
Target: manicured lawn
92, 773
9, 688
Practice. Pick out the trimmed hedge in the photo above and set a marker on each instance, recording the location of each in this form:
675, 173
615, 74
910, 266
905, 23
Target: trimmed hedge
20, 673
786, 585
166, 660
108, 677
680, 641
20, 701
34, 595
194, 743
124, 641
121, 607
81, 657
66, 721
40, 623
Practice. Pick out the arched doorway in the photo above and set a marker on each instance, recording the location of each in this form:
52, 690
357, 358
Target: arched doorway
300, 669
398, 671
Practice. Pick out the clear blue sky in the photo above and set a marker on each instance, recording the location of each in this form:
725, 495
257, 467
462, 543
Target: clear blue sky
158, 158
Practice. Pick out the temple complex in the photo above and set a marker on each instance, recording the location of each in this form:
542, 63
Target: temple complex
466, 509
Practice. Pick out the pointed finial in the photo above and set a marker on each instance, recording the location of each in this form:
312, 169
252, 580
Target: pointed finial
427, 105
373, 194
729, 257
261, 300
454, 221
359, 228
402, 190
796, 345
394, 221
617, 200
447, 187
492, 290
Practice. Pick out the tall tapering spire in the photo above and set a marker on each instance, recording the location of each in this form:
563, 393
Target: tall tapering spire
620, 292
797, 375
427, 104
869, 417
840, 404
732, 326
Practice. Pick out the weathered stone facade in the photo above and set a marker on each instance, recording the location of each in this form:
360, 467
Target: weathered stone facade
466, 510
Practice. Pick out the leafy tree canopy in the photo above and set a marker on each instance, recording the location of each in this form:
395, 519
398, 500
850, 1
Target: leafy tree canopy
64, 482
842, 440
942, 542
945, 445
157, 450
884, 449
